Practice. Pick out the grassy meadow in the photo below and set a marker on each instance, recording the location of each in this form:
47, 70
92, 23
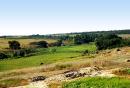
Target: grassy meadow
97, 82
46, 56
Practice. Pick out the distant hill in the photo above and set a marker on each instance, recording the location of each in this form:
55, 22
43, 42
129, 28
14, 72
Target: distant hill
55, 36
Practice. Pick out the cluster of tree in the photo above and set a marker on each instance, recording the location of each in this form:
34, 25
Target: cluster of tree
40, 44
14, 45
58, 43
3, 55
16, 51
52, 36
108, 41
84, 38
103, 40
127, 31
67, 36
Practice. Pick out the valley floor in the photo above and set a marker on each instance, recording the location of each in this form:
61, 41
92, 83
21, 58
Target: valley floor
106, 60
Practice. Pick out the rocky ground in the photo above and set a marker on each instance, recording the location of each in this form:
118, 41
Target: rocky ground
70, 75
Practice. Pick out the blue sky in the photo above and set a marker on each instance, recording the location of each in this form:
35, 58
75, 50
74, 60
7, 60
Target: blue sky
23, 17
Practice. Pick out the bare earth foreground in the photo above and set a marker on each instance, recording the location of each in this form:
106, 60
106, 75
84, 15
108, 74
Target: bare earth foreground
90, 72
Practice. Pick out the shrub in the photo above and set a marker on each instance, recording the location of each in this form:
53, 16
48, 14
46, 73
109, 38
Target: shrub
53, 50
86, 52
19, 53
3, 56
58, 43
23, 52
40, 44
14, 45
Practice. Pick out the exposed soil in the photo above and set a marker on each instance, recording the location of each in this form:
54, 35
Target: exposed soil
88, 72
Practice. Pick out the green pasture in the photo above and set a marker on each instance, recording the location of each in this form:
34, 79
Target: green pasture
46, 56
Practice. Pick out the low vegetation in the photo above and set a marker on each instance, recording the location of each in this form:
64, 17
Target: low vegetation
97, 82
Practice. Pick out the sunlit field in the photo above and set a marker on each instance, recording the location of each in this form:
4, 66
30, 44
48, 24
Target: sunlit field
47, 56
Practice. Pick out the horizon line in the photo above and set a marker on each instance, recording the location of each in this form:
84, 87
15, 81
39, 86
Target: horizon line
62, 33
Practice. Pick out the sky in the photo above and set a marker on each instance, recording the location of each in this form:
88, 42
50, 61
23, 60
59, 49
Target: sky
26, 17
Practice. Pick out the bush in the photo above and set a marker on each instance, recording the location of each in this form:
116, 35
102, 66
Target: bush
53, 50
23, 52
126, 42
58, 43
3, 56
86, 52
40, 44
14, 45
19, 53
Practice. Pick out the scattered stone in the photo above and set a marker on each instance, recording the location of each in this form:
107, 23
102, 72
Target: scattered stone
89, 70
59, 77
42, 82
128, 61
38, 78
41, 63
71, 74
118, 49
97, 52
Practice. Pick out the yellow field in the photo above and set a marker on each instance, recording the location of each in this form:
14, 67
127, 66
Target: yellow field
23, 42
125, 35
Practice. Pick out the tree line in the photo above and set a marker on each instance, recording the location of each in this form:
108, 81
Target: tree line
103, 40
68, 36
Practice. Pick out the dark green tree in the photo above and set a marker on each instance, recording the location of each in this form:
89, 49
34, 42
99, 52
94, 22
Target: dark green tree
108, 41
3, 56
14, 45
84, 38
40, 44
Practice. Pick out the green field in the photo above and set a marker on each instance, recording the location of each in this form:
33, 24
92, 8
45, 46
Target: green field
45, 56
99, 83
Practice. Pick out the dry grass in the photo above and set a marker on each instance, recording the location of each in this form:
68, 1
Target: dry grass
125, 35
13, 83
55, 85
23, 42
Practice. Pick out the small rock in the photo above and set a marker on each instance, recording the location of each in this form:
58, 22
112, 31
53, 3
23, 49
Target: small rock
41, 63
89, 70
128, 61
71, 74
38, 78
